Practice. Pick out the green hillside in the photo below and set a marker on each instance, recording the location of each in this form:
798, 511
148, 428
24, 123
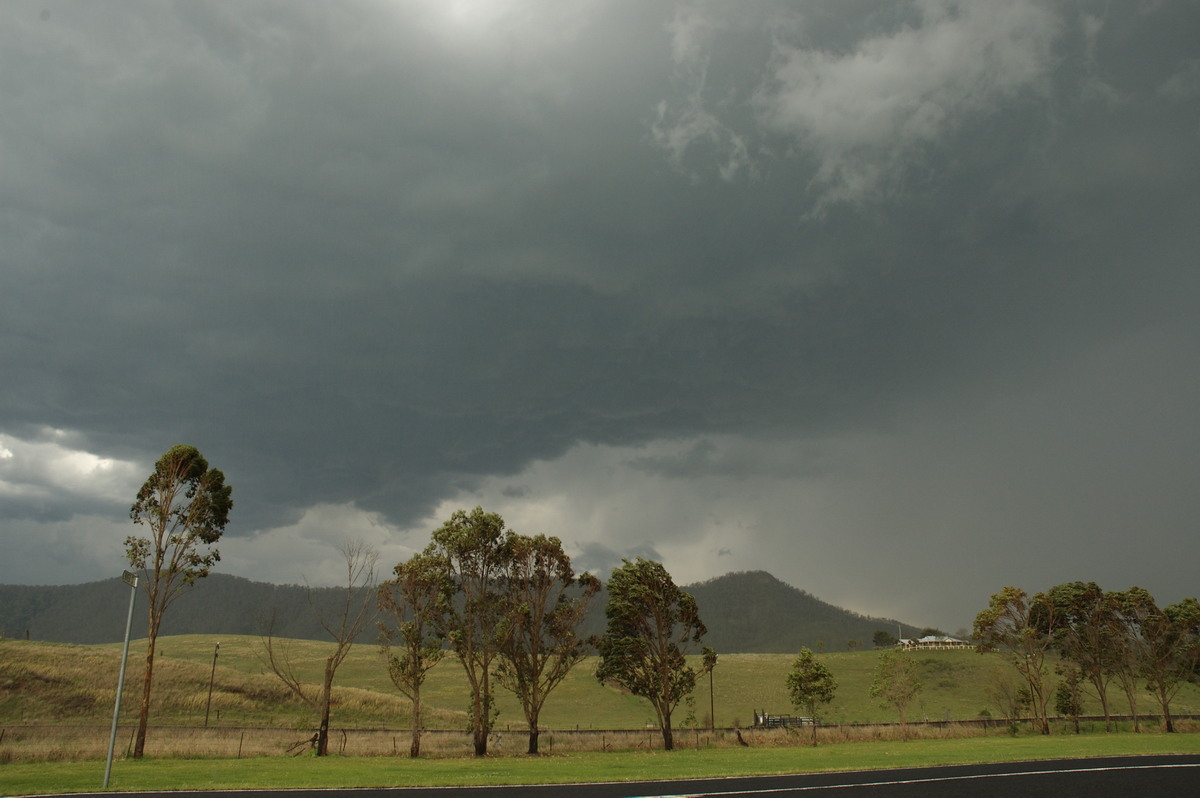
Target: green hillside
61, 683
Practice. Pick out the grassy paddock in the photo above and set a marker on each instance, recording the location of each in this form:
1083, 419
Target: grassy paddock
339, 771
57, 684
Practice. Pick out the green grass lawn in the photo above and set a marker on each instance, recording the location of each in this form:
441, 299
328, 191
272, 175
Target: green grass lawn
307, 772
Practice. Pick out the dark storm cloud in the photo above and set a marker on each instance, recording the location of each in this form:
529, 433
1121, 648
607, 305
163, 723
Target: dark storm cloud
380, 253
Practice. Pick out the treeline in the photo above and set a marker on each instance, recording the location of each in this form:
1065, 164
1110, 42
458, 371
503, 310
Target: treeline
1103, 638
508, 606
1094, 638
512, 611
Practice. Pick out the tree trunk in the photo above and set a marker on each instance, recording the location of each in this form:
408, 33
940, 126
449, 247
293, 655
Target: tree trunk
532, 710
668, 735
139, 745
1104, 706
326, 694
414, 748
1043, 715
1166, 708
480, 731
1132, 698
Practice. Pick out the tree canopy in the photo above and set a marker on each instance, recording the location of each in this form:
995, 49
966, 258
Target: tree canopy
652, 625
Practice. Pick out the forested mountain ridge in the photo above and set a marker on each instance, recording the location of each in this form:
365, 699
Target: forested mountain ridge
752, 612
748, 612
94, 612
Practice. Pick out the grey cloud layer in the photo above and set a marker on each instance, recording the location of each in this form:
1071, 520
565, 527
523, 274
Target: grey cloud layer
368, 253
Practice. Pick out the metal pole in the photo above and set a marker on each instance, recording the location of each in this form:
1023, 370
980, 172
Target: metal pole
712, 711
131, 580
211, 677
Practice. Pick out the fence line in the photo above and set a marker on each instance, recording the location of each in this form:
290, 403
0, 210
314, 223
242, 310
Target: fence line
69, 742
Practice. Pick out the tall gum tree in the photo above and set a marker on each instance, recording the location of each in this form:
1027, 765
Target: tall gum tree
1167, 643
413, 602
1023, 626
184, 506
1087, 635
474, 549
548, 603
652, 625
1126, 657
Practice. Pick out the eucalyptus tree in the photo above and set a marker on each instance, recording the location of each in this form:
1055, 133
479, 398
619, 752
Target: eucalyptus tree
809, 683
1125, 664
1089, 634
1167, 642
184, 506
1024, 626
652, 626
475, 550
549, 603
413, 602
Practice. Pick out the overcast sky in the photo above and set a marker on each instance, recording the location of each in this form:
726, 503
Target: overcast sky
897, 301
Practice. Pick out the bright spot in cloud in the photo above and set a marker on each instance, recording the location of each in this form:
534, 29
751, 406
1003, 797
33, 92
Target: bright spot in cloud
50, 465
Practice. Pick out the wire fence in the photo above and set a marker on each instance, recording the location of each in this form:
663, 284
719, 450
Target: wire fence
82, 742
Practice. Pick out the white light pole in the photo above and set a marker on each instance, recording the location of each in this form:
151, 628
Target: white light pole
130, 579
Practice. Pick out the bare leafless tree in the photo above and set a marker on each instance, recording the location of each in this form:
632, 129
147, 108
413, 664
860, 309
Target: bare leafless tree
355, 611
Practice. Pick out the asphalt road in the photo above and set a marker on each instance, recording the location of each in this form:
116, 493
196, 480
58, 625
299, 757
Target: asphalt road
1115, 777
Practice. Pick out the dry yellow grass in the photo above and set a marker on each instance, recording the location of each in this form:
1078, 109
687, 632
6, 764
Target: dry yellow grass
56, 703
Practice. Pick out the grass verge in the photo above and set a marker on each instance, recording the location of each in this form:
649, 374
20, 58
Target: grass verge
18, 779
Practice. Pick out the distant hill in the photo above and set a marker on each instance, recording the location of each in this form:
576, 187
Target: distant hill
751, 612
94, 612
